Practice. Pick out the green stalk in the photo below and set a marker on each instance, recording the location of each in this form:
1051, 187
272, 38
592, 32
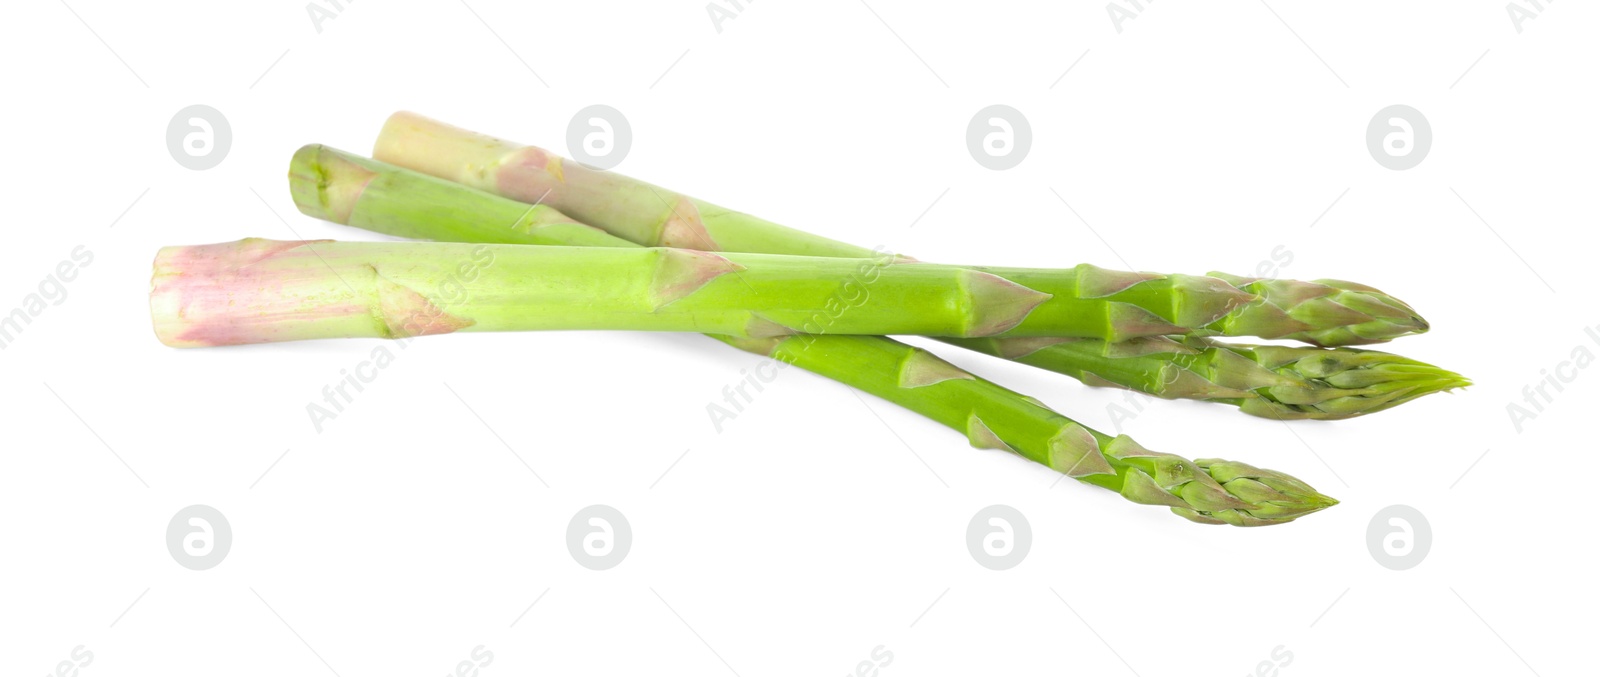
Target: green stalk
343, 188
670, 289
1277, 382
652, 216
1208, 490
327, 290
1325, 312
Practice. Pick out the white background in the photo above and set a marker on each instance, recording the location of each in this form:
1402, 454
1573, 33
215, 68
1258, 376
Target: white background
407, 533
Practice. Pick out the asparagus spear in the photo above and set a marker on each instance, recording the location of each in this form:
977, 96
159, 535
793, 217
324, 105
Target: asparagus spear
1277, 382
1275, 386
271, 286
346, 189
289, 291
1209, 491
1325, 312
255, 291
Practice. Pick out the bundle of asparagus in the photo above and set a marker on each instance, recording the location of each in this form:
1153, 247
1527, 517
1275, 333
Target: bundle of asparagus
639, 257
1274, 382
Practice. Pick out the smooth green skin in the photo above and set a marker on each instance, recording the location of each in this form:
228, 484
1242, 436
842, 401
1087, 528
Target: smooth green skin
1261, 383
759, 295
343, 188
754, 295
1209, 491
520, 288
1322, 312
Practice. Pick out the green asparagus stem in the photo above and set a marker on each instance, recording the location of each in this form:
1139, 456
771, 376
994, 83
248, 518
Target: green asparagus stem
1326, 312
640, 213
264, 290
1209, 491
342, 188
286, 291
291, 292
1277, 382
